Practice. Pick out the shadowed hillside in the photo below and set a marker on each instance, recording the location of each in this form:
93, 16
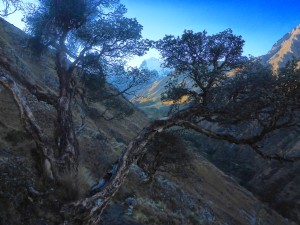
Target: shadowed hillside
184, 189
274, 182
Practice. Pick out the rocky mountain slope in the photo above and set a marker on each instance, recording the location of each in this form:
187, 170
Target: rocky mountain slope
275, 183
155, 64
184, 188
285, 49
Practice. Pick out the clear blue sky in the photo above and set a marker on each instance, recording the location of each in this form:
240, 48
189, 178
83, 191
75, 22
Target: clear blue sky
260, 22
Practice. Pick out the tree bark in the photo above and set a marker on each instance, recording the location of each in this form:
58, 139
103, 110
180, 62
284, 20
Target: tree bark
65, 160
65, 133
66, 140
31, 125
89, 210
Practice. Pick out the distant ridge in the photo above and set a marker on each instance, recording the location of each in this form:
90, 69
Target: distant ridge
149, 96
155, 64
285, 49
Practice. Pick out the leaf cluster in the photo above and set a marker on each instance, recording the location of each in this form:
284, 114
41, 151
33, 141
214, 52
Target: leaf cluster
200, 61
84, 28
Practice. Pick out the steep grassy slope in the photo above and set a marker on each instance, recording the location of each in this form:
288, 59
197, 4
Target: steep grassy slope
273, 182
184, 190
148, 99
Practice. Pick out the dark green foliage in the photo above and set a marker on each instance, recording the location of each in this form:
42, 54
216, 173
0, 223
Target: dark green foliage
53, 17
200, 61
247, 90
93, 82
255, 93
95, 35
36, 46
68, 13
165, 150
87, 24
92, 74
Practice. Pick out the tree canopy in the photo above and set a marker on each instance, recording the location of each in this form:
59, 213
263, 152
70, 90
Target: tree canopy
228, 91
90, 30
200, 61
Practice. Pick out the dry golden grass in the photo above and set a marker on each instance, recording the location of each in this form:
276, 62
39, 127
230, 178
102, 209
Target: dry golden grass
182, 100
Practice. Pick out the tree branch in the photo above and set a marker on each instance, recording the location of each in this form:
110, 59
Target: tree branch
92, 207
242, 141
30, 123
34, 89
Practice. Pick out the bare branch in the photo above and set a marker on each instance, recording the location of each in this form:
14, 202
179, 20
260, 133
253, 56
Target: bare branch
251, 141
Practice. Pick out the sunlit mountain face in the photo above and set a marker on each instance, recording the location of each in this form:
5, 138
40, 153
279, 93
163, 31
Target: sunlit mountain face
155, 64
284, 50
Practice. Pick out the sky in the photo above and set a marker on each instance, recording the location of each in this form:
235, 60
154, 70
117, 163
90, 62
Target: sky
261, 23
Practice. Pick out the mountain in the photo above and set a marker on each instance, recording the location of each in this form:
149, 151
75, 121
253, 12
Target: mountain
185, 188
148, 97
152, 64
285, 49
155, 64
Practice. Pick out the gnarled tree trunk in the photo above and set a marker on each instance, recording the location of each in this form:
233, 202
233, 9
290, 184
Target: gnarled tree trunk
89, 210
65, 133
63, 160
31, 125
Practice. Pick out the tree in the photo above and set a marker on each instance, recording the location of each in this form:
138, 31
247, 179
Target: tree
11, 6
90, 39
94, 37
220, 84
200, 62
229, 91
